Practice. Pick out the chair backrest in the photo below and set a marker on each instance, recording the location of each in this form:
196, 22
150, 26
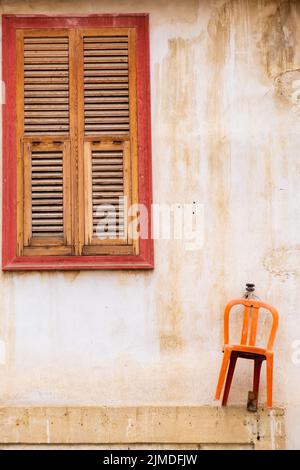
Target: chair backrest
251, 309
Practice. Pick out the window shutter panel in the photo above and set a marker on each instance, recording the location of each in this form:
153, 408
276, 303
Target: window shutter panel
107, 173
46, 85
106, 90
43, 116
109, 127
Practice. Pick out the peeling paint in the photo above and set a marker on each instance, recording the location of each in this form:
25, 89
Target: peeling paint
278, 40
283, 262
287, 85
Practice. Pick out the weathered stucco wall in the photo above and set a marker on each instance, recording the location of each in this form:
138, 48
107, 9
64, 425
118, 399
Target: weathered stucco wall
225, 126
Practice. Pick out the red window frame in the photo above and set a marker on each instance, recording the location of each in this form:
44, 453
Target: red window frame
10, 260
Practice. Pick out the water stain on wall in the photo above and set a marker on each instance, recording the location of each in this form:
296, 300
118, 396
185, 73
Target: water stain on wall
179, 136
7, 333
217, 140
279, 36
170, 309
71, 275
179, 126
283, 262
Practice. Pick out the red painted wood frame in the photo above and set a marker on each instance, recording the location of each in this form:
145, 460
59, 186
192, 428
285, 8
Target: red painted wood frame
10, 260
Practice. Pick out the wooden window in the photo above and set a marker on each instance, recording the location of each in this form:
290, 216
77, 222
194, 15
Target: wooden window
76, 152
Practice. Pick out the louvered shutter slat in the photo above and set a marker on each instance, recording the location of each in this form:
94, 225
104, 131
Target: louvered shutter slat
46, 197
106, 84
47, 223
107, 181
46, 82
107, 93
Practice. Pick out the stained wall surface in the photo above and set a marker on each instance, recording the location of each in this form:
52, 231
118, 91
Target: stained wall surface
225, 96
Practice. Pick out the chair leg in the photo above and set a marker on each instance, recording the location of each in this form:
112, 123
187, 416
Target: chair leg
256, 375
269, 380
222, 374
233, 359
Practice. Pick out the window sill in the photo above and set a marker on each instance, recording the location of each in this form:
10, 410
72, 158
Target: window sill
62, 263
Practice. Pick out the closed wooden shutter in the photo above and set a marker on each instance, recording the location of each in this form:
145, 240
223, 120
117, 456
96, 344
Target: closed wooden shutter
109, 126
106, 85
43, 91
47, 221
107, 197
46, 85
77, 141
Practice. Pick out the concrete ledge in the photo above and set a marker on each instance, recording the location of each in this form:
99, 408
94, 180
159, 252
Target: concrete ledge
116, 427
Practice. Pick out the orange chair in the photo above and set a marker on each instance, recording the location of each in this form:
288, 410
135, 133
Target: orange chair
247, 349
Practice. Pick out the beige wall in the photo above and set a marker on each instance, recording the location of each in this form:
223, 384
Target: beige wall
152, 427
225, 128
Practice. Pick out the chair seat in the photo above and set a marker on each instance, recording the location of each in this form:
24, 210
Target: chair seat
247, 349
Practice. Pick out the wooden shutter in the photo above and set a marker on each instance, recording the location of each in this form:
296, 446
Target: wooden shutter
109, 127
77, 141
47, 221
46, 85
106, 84
44, 127
107, 197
